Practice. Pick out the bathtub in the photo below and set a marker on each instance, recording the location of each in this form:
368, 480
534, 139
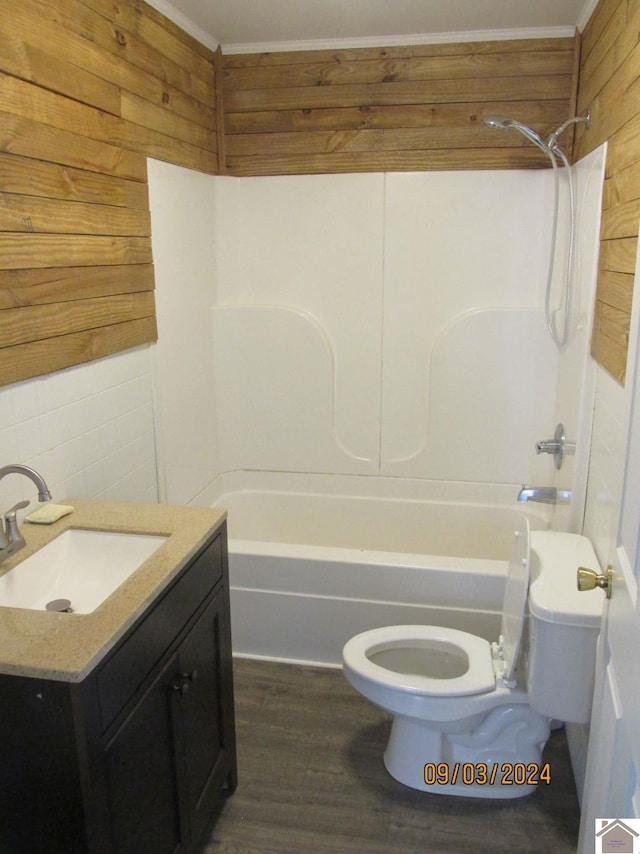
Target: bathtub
313, 560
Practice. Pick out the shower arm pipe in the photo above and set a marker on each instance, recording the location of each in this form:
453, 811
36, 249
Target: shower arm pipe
552, 140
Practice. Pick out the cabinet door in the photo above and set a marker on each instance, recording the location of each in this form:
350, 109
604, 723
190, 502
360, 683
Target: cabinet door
205, 718
140, 765
40, 777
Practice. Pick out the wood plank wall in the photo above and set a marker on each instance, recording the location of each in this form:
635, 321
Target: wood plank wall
402, 108
88, 89
609, 75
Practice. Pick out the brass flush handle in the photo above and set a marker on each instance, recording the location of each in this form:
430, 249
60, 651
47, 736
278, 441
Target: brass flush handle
588, 579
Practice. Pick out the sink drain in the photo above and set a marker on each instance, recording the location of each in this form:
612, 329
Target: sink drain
62, 605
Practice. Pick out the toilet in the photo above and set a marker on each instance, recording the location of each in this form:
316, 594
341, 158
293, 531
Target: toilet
471, 717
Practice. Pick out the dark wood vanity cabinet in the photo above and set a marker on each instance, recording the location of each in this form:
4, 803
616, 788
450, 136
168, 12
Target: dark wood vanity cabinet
139, 757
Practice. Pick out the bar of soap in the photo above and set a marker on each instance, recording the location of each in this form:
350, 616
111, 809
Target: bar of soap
49, 514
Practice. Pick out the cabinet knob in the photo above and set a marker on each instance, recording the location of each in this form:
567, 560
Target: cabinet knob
181, 686
184, 682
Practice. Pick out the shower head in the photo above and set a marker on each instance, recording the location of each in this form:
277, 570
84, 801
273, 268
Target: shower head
501, 122
504, 123
550, 145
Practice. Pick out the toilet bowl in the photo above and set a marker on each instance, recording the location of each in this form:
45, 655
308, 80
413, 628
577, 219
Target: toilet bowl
471, 718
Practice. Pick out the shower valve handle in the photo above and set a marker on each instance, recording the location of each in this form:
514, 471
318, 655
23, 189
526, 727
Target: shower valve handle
548, 447
558, 446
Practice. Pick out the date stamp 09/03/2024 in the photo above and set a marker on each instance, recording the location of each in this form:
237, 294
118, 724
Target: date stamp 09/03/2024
482, 774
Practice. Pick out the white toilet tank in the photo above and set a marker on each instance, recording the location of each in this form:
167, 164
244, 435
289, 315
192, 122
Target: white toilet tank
563, 627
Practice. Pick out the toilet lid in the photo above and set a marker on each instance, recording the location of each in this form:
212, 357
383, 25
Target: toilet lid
515, 599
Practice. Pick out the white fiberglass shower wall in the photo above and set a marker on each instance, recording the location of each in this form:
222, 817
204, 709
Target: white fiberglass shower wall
382, 325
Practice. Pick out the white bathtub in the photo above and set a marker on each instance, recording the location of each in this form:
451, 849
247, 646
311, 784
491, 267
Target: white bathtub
310, 569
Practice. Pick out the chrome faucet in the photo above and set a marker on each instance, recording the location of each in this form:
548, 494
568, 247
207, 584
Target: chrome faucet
32, 474
11, 540
544, 494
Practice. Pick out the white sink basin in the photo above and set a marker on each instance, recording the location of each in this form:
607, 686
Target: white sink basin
83, 567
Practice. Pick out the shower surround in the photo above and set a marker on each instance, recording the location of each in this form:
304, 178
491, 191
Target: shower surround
376, 325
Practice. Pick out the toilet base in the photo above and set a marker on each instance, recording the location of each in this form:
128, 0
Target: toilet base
498, 756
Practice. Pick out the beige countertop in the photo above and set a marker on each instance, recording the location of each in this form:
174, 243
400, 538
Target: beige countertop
66, 647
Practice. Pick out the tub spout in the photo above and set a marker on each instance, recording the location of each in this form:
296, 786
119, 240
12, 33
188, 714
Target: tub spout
544, 494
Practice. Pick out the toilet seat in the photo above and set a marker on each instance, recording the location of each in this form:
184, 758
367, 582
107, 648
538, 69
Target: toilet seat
455, 663
471, 652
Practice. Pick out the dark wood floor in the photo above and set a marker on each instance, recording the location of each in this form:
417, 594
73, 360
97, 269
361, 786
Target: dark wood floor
312, 781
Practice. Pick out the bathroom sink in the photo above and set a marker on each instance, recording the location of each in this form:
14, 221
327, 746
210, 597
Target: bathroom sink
77, 571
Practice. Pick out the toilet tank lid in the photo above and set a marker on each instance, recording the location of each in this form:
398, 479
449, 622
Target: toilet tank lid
553, 593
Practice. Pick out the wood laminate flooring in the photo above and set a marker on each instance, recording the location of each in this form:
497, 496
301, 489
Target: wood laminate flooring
312, 781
